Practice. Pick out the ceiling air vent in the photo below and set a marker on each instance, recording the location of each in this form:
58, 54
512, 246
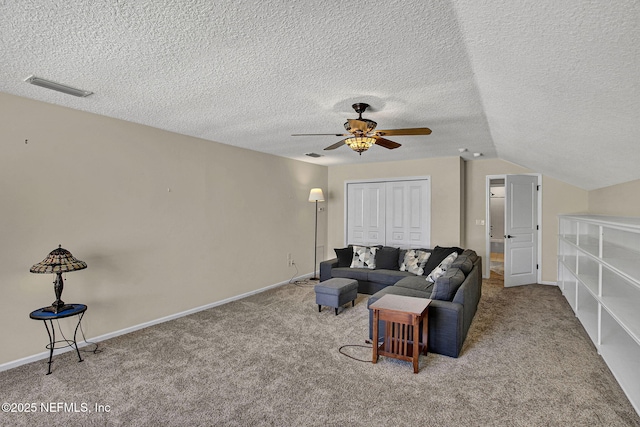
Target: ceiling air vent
313, 154
57, 86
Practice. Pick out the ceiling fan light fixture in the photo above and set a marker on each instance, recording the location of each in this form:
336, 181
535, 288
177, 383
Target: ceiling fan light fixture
360, 143
370, 125
57, 86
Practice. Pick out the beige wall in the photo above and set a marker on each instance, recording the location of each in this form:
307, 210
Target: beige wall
621, 200
165, 222
446, 201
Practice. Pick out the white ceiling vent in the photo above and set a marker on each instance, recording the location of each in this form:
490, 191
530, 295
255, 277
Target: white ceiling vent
57, 86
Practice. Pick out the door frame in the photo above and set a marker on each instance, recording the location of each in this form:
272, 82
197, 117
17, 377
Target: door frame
397, 178
487, 232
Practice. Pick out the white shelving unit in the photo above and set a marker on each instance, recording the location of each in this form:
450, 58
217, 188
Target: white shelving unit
599, 274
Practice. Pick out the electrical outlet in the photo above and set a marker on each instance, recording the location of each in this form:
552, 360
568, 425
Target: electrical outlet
289, 260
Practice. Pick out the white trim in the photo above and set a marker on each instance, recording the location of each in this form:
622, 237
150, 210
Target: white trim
548, 283
487, 224
45, 354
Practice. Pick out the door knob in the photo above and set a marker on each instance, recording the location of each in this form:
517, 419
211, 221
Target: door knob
508, 236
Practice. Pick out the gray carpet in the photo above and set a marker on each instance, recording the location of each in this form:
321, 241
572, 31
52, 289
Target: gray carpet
272, 359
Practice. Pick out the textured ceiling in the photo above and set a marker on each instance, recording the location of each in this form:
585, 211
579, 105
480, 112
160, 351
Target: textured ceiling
549, 85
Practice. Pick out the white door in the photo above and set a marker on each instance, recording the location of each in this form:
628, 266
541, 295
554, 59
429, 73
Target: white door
366, 214
407, 214
393, 213
521, 230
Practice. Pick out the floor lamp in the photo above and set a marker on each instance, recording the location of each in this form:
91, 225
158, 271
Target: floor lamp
315, 196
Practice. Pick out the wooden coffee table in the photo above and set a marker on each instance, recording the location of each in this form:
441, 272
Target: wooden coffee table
402, 316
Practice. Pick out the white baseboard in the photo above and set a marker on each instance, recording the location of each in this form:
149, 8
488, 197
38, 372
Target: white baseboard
544, 282
45, 354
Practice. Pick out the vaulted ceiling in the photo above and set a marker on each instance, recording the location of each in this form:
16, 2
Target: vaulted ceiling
550, 85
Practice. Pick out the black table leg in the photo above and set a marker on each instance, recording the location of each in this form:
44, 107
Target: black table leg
75, 342
52, 342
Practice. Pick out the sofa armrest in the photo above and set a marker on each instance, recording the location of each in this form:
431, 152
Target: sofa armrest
446, 327
325, 268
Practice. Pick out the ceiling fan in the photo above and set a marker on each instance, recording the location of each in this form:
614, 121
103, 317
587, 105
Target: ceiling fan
362, 134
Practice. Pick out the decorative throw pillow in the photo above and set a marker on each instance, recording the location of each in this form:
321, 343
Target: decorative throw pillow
471, 254
414, 261
401, 255
364, 257
438, 254
345, 255
442, 267
464, 263
387, 258
447, 285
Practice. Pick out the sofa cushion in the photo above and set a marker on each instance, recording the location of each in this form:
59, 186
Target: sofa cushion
414, 261
447, 285
464, 263
387, 258
442, 267
416, 283
389, 277
471, 254
345, 256
364, 257
360, 274
438, 255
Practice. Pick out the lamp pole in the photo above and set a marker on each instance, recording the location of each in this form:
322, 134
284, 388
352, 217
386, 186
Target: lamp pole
315, 196
315, 246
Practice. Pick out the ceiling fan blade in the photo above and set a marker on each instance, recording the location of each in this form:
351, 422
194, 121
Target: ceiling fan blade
336, 145
386, 143
320, 134
360, 125
411, 131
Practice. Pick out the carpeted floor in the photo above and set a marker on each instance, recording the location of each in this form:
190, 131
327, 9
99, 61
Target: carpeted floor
272, 359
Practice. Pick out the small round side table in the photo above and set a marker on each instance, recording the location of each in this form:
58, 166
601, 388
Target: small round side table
45, 314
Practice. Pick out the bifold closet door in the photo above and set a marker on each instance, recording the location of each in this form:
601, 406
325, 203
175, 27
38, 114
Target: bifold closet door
392, 213
407, 224
366, 213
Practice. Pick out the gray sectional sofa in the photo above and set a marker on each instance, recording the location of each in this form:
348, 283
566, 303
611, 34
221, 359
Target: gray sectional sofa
455, 294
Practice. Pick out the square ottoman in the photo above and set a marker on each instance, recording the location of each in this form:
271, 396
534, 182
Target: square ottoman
336, 292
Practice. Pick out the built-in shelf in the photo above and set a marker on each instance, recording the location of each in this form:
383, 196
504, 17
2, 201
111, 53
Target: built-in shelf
599, 275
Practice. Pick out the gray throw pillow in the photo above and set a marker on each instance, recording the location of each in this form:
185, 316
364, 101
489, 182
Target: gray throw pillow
464, 263
447, 285
387, 258
401, 255
345, 256
471, 254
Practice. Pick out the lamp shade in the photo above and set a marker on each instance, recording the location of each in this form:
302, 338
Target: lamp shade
59, 260
360, 143
316, 195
